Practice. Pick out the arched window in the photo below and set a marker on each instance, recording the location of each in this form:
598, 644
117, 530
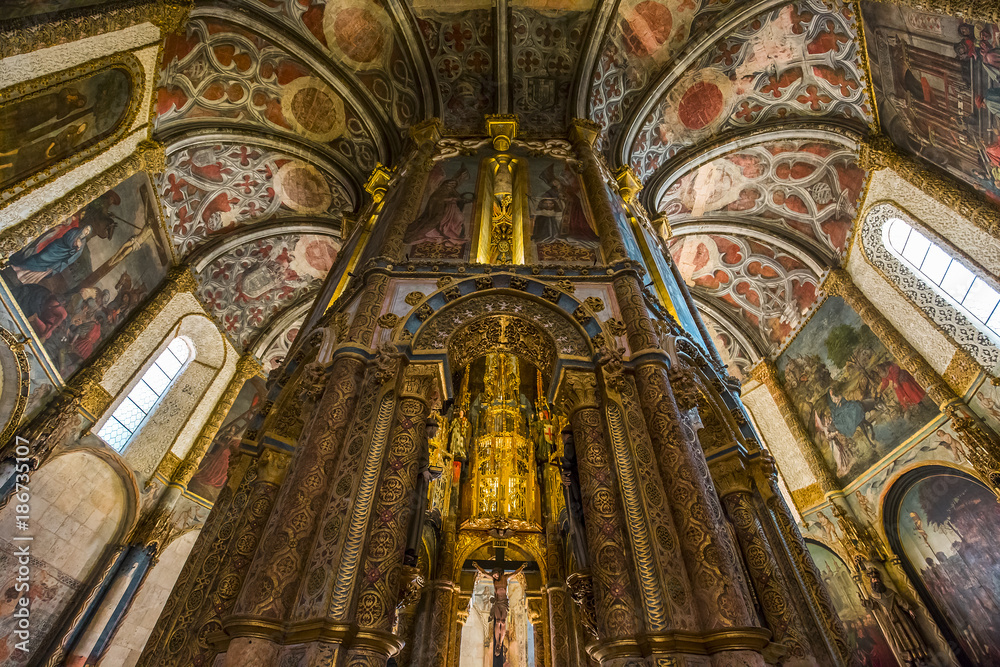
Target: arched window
935, 265
132, 412
936, 278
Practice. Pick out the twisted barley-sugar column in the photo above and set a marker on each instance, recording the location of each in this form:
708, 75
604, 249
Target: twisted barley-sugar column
278, 566
735, 489
617, 610
83, 391
767, 374
878, 152
982, 444
970, 10
380, 586
215, 569
766, 473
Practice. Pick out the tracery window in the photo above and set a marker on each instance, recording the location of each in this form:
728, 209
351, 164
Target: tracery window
936, 278
934, 264
132, 412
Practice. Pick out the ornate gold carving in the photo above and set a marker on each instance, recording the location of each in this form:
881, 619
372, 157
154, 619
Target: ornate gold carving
378, 182
629, 184
879, 152
149, 156
615, 326
502, 333
972, 10
502, 231
502, 129
484, 282
594, 303
427, 132
582, 315
551, 294
168, 464
444, 280
518, 283
452, 293
962, 371
807, 496
423, 312
23, 383
566, 285
388, 321
577, 391
413, 298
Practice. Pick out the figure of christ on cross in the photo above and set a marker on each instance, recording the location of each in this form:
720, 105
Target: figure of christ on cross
501, 605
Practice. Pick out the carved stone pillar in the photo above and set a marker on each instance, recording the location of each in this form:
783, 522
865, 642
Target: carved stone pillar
878, 152
269, 593
583, 134
767, 374
215, 570
461, 616
767, 483
616, 611
380, 585
538, 616
555, 591
438, 623
736, 490
982, 444
707, 547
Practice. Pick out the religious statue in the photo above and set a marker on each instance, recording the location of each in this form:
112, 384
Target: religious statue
894, 614
501, 605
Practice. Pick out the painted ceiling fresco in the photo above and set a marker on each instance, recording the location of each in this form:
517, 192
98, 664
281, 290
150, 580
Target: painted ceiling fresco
799, 60
739, 117
937, 82
764, 290
250, 284
806, 190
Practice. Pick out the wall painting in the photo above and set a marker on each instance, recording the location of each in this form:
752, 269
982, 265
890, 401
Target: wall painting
80, 281
937, 82
40, 130
443, 227
211, 474
867, 642
849, 391
560, 227
946, 526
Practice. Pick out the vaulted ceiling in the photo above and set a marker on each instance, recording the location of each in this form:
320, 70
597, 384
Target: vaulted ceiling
740, 117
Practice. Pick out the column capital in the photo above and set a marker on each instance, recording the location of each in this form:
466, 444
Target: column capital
629, 184
247, 366
378, 182
584, 130
765, 372
502, 129
578, 391
171, 15
427, 131
839, 283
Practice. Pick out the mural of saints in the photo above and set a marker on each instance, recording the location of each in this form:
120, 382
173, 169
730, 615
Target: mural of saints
78, 282
946, 526
40, 130
561, 228
851, 394
868, 644
442, 228
211, 474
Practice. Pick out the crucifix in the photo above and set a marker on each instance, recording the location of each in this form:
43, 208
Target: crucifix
496, 570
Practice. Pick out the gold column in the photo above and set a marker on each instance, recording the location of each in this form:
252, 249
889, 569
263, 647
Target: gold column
983, 446
83, 391
617, 613
766, 474
878, 152
380, 587
767, 374
987, 11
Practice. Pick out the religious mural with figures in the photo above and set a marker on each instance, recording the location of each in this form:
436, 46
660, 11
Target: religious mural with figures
77, 283
937, 82
868, 644
443, 228
211, 474
850, 392
229, 74
796, 60
561, 226
248, 285
946, 525
211, 190
39, 130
